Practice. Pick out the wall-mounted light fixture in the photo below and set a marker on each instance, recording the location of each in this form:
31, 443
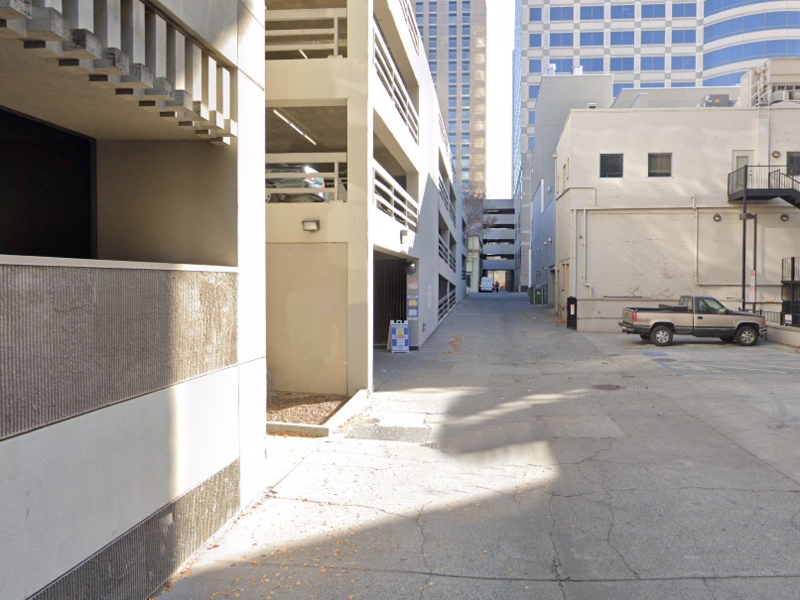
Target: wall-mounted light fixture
311, 225
776, 154
718, 217
784, 217
411, 267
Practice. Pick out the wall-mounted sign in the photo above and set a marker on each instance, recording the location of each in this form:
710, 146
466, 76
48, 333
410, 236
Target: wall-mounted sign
398, 335
413, 283
413, 307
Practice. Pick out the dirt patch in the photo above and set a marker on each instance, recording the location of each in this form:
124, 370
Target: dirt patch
455, 345
304, 409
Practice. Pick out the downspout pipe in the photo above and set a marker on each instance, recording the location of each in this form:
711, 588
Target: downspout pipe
585, 246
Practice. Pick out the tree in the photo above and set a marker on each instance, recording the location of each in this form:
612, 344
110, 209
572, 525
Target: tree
473, 211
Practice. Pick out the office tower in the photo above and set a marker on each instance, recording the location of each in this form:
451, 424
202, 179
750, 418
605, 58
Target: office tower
454, 35
653, 44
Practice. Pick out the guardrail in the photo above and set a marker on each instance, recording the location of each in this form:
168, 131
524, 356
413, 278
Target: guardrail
443, 250
394, 84
464, 237
393, 200
305, 33
446, 305
411, 22
451, 301
445, 196
452, 261
310, 185
762, 177
446, 144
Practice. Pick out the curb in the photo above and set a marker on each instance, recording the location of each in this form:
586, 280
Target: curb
352, 407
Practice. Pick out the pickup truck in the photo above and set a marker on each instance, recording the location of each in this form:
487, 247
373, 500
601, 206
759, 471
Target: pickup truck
700, 316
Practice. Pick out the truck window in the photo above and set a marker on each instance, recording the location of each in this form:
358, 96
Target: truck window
709, 306
687, 302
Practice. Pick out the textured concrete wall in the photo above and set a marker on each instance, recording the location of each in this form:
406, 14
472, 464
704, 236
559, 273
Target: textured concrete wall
75, 339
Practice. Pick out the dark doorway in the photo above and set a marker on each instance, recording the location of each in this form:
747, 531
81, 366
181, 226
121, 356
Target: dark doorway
572, 313
389, 295
46, 205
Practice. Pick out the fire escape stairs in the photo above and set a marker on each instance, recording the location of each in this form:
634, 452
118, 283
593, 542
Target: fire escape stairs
760, 183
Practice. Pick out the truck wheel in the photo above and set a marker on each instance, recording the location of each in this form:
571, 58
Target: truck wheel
661, 335
645, 336
747, 336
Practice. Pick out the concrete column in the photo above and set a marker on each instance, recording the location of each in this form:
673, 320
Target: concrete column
209, 87
194, 78
360, 186
176, 58
80, 13
246, 102
133, 30
108, 23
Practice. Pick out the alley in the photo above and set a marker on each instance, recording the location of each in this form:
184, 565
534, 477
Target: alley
546, 464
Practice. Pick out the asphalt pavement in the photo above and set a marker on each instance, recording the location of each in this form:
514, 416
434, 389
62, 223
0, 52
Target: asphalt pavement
512, 458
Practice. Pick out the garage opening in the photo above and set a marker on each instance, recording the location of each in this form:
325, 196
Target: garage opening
47, 206
389, 295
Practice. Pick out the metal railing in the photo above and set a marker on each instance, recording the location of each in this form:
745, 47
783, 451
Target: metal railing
463, 272
443, 251
394, 84
287, 178
445, 196
305, 33
446, 305
446, 143
790, 271
393, 200
411, 23
452, 261
762, 177
464, 237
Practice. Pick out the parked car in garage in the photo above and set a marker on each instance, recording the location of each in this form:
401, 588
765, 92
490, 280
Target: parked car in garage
292, 188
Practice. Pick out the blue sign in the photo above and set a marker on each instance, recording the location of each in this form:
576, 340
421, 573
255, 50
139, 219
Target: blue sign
413, 308
398, 332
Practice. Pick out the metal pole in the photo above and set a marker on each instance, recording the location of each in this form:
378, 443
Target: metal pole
744, 243
755, 258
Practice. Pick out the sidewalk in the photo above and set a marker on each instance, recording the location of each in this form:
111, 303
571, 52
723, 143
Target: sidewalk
548, 465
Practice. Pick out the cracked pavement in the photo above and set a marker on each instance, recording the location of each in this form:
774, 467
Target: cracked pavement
535, 483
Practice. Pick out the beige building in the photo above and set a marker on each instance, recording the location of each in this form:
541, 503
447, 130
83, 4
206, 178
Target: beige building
643, 210
377, 234
132, 346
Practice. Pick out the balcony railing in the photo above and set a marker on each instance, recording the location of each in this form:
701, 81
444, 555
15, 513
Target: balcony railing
288, 178
464, 238
452, 261
411, 23
306, 33
444, 253
763, 182
446, 143
790, 272
446, 305
445, 196
394, 84
393, 200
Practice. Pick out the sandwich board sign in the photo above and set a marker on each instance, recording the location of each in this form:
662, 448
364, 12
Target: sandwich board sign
398, 336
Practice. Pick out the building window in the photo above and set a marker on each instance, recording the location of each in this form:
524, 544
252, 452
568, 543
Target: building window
432, 19
592, 38
623, 11
452, 54
433, 32
452, 42
657, 84
535, 15
652, 63
563, 65
651, 37
624, 64
535, 40
558, 40
592, 65
535, 66
618, 87
793, 164
684, 36
683, 84
654, 11
687, 9
592, 13
465, 89
533, 92
611, 165
432, 53
531, 117
561, 13
683, 63
659, 165
531, 142
622, 38
452, 30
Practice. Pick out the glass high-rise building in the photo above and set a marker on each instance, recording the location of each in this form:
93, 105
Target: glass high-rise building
651, 43
454, 35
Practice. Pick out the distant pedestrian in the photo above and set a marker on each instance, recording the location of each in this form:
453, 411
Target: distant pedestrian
497, 286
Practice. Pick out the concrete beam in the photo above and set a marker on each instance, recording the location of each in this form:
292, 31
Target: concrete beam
84, 45
13, 10
13, 28
49, 25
